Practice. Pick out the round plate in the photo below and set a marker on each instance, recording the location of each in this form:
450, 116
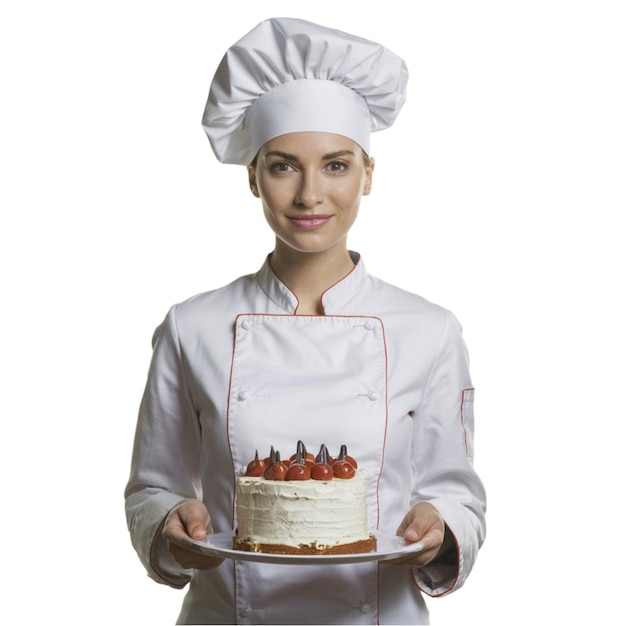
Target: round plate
388, 547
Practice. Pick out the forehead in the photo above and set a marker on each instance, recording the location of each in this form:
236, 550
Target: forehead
310, 143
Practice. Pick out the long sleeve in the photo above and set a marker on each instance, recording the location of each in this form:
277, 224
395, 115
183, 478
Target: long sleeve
165, 463
443, 463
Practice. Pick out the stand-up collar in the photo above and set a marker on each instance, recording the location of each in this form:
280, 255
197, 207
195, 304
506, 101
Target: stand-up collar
333, 299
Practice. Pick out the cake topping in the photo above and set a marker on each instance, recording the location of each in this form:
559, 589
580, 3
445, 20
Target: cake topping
343, 454
268, 460
298, 469
302, 465
277, 470
322, 469
256, 467
342, 467
307, 458
329, 459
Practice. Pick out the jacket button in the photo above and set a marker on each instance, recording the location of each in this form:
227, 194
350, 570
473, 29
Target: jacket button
372, 395
370, 325
244, 611
242, 395
365, 608
246, 324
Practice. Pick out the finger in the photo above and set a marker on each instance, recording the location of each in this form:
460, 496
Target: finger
412, 533
430, 537
404, 524
419, 521
196, 521
197, 528
431, 543
174, 530
189, 520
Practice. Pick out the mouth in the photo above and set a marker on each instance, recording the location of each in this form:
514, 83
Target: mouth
309, 222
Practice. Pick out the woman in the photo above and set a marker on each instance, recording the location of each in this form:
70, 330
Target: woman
310, 347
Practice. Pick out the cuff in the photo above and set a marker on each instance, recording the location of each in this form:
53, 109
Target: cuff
146, 532
440, 576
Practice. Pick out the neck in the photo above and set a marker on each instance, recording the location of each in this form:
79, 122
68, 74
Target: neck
309, 275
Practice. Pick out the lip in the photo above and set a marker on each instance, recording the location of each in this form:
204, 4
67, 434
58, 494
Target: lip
310, 222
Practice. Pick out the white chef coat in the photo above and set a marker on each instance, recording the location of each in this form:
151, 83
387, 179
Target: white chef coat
234, 370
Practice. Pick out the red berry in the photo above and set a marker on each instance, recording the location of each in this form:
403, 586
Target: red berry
322, 471
298, 471
344, 456
277, 470
343, 469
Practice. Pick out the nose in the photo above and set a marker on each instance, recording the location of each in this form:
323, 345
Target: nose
310, 191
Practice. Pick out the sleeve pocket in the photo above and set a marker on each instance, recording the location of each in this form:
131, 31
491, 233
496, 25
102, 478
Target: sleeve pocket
467, 420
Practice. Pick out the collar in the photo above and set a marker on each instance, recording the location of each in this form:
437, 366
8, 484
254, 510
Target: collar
333, 299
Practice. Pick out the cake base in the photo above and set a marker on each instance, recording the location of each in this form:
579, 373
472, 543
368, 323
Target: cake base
355, 547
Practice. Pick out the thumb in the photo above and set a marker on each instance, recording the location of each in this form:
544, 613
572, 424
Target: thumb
197, 531
409, 529
196, 521
412, 533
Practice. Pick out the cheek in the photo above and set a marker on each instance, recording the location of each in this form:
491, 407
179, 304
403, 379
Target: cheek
351, 195
274, 194
268, 213
272, 205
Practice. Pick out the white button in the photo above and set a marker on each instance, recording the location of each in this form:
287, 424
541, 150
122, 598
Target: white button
244, 611
372, 395
246, 324
370, 325
242, 395
365, 608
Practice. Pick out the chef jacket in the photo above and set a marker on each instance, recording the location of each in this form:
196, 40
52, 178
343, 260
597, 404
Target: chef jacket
235, 370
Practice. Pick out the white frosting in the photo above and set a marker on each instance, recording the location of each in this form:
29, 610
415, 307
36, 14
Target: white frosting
327, 513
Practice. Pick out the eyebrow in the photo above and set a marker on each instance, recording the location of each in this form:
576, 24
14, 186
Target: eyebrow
292, 157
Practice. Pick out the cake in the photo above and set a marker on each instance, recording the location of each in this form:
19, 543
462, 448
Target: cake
303, 506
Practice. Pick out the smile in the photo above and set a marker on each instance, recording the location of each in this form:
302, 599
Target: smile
309, 222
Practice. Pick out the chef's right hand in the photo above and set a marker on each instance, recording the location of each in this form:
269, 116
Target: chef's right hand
189, 520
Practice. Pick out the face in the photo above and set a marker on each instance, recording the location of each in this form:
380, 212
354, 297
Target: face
310, 185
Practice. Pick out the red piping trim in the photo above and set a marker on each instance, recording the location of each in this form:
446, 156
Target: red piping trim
232, 456
293, 293
382, 461
334, 284
295, 312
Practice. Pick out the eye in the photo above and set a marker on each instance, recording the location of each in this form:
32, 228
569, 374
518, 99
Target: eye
337, 167
280, 167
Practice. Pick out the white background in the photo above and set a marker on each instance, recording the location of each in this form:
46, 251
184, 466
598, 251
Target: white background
498, 194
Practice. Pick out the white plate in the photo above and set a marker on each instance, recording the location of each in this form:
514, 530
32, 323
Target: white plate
388, 547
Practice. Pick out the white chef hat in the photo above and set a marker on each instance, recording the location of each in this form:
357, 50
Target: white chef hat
289, 75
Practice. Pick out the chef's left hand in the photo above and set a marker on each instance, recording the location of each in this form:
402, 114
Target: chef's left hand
422, 523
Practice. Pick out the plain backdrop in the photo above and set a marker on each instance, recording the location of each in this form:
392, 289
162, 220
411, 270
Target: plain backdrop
498, 194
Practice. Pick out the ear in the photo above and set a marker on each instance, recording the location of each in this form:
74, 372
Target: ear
369, 172
254, 188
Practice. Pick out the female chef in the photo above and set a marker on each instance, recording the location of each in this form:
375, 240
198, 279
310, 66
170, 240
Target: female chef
310, 347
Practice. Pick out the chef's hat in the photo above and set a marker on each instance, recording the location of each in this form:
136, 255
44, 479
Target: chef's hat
288, 75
